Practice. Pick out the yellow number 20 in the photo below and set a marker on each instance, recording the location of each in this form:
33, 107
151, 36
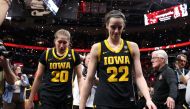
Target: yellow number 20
115, 71
60, 76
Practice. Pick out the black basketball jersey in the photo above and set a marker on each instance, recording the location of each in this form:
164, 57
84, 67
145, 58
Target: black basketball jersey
57, 79
115, 76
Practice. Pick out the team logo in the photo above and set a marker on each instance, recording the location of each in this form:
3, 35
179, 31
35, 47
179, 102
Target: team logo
125, 47
69, 56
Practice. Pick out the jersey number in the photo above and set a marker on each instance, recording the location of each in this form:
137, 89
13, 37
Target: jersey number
114, 72
61, 76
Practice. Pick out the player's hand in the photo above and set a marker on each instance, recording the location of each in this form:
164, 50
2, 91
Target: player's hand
150, 104
29, 104
170, 103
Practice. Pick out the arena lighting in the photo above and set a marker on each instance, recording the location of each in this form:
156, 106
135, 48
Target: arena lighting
53, 5
166, 14
88, 50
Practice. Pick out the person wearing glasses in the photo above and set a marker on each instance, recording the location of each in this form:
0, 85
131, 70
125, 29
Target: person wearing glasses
114, 59
56, 66
180, 70
165, 86
184, 81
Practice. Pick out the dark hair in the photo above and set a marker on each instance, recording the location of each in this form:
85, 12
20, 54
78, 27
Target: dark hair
115, 14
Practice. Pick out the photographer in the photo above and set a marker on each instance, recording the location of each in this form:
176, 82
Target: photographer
14, 97
6, 74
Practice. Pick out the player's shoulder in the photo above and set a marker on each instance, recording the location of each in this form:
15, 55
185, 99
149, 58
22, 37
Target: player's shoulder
133, 47
132, 43
96, 45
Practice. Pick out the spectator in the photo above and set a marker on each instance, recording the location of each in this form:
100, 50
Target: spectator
6, 73
56, 66
114, 59
181, 71
76, 96
14, 95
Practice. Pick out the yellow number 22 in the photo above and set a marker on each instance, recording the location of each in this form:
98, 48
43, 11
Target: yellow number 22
115, 71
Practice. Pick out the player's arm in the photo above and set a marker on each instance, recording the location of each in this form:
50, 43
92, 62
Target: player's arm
86, 88
140, 80
35, 85
4, 6
37, 81
78, 70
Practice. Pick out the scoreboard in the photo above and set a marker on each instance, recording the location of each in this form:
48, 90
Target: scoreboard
166, 14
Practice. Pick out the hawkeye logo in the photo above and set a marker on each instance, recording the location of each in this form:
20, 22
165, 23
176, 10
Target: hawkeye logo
125, 47
126, 50
69, 55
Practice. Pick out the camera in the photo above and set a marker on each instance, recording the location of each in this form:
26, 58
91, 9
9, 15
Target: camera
19, 74
84, 72
3, 51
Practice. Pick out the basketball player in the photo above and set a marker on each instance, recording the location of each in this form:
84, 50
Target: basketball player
56, 65
114, 59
